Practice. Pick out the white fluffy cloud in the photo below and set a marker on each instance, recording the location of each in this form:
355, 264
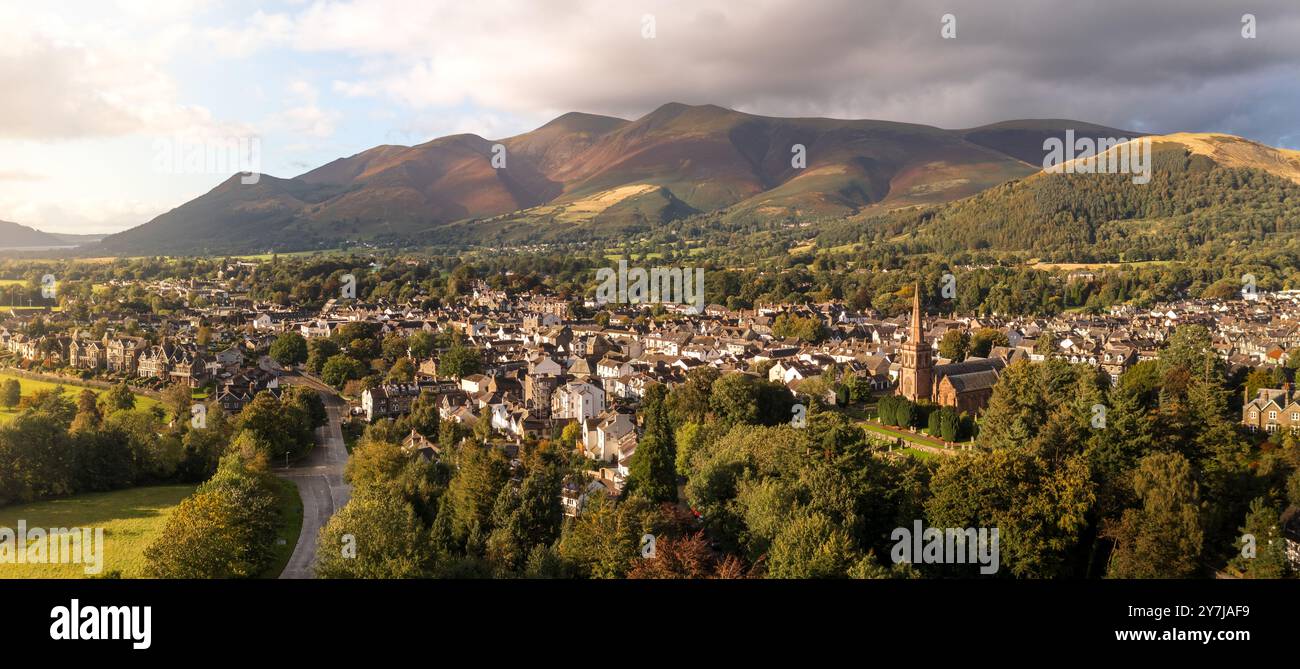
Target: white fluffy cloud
65, 79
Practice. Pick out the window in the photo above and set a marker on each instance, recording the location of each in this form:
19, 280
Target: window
1272, 415
1254, 415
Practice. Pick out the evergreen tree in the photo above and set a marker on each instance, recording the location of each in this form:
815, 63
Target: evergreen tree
652, 472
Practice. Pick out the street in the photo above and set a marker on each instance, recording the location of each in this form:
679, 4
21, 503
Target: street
319, 478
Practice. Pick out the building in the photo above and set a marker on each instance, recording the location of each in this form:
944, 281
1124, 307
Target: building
1271, 410
389, 400
577, 400
916, 375
965, 386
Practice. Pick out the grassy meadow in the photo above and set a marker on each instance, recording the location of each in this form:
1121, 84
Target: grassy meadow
31, 386
131, 519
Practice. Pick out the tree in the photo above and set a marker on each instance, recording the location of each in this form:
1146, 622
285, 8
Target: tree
652, 472
1039, 507
481, 472
949, 424
1161, 538
88, 416
460, 361
604, 539
571, 433
402, 371
424, 416
289, 349
954, 344
340, 369
1261, 547
525, 519
376, 535
984, 339
811, 546
319, 351
11, 393
743, 398
226, 529
178, 400
121, 398
278, 426
420, 345
689, 401
687, 557
809, 329
36, 461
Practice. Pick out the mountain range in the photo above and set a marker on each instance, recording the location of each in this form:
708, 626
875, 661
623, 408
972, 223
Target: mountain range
584, 174
584, 169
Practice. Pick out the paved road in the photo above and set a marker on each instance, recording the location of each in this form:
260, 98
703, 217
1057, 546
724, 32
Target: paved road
319, 478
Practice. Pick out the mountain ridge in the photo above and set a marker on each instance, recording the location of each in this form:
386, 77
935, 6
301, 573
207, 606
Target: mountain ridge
587, 169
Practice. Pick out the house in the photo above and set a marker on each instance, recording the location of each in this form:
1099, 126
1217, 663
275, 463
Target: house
609, 436
574, 494
86, 354
389, 400
121, 354
417, 444
577, 400
1271, 410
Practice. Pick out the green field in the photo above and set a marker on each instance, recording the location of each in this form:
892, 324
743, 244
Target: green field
130, 518
286, 493
31, 386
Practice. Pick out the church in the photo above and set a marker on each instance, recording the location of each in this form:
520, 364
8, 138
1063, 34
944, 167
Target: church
965, 386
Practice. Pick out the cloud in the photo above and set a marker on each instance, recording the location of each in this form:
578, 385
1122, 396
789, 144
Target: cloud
20, 175
80, 217
1160, 64
304, 116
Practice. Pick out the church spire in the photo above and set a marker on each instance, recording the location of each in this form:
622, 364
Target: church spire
916, 333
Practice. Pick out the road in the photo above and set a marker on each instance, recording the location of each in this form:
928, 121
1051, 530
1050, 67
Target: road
319, 478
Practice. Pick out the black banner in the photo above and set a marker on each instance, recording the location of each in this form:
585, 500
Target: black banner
541, 619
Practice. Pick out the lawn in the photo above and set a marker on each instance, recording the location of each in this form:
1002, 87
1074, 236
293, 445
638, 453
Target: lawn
31, 386
286, 493
920, 454
131, 519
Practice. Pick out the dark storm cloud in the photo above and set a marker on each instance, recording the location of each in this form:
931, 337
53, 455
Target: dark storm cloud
1161, 65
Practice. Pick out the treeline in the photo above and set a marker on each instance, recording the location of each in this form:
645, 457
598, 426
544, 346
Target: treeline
1189, 202
1150, 479
56, 447
228, 527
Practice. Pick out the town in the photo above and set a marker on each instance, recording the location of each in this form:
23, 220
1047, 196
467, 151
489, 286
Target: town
514, 369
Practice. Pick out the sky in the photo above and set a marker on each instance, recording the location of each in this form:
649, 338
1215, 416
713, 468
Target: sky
115, 111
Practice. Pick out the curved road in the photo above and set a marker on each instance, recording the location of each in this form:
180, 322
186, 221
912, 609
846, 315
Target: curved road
319, 478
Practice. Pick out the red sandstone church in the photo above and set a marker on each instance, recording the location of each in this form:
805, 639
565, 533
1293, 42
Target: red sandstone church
965, 386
